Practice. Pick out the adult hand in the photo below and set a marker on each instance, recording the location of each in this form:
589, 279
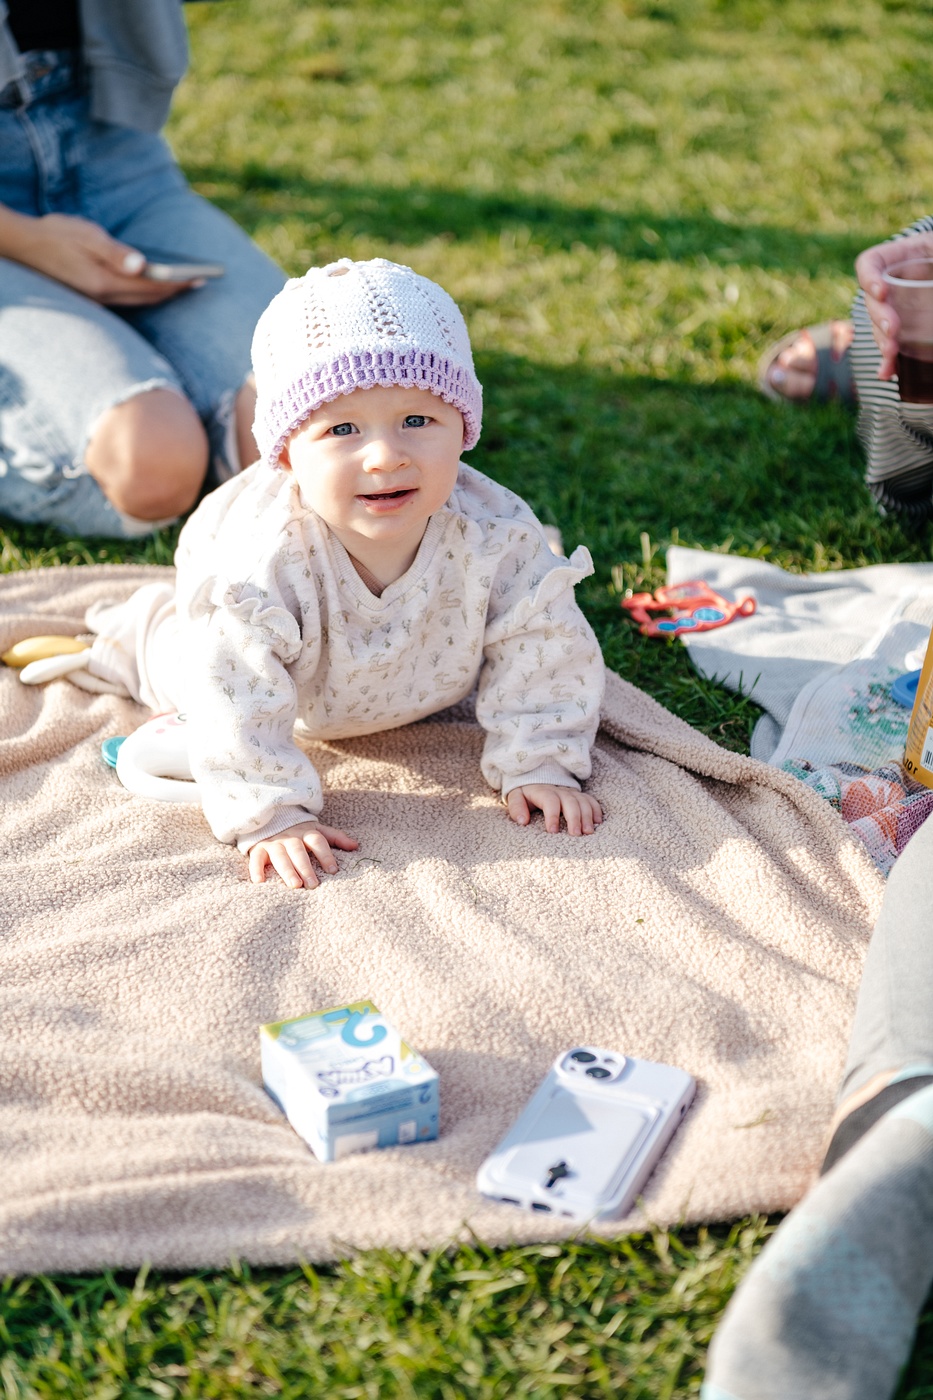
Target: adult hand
581, 812
869, 267
289, 853
83, 256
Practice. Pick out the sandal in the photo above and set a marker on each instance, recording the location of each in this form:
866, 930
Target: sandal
833, 371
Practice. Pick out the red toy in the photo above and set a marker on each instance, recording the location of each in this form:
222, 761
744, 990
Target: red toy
693, 607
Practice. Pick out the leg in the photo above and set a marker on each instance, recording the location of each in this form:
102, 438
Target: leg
891, 1049
78, 389
793, 373
829, 1309
149, 455
136, 647
204, 334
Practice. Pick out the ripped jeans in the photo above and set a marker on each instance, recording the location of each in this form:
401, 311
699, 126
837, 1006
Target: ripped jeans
64, 359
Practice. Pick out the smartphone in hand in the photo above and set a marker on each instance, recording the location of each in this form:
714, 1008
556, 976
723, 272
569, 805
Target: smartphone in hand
173, 267
590, 1136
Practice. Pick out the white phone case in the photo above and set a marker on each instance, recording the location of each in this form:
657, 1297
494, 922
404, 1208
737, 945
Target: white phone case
590, 1136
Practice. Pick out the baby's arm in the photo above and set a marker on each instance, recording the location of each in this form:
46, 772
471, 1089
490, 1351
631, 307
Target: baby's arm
289, 853
581, 812
539, 696
254, 781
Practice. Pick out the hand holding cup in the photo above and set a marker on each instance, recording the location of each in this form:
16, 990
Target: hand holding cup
870, 267
910, 296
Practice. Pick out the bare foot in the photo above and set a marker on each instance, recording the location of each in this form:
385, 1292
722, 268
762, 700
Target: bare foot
793, 374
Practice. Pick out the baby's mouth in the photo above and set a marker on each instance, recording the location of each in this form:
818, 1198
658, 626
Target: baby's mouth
387, 495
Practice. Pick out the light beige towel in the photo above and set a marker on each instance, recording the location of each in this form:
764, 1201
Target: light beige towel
717, 920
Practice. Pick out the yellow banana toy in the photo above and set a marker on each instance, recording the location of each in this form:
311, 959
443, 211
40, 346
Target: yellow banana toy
38, 648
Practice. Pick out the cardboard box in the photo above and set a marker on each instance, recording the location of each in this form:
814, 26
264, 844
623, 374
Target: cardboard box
347, 1082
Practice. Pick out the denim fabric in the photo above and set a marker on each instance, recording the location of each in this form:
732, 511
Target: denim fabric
64, 359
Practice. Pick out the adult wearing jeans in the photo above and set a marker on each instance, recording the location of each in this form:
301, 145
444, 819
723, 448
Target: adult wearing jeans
121, 398
829, 1309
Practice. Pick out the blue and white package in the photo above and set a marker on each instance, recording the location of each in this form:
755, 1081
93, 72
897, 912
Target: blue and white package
347, 1082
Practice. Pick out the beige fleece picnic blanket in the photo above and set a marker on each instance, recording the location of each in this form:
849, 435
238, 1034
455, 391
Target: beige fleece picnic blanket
717, 921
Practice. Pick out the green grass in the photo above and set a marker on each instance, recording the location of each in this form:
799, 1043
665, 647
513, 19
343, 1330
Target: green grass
629, 199
631, 1318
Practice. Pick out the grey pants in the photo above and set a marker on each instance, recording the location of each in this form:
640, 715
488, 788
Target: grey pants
893, 1028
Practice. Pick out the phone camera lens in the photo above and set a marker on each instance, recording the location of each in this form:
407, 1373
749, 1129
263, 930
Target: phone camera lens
597, 1071
583, 1057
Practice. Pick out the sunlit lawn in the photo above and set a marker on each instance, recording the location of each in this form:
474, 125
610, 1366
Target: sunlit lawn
629, 200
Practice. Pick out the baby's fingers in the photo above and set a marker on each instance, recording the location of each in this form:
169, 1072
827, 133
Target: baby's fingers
288, 858
551, 802
319, 843
335, 837
591, 814
582, 813
576, 812
291, 860
517, 807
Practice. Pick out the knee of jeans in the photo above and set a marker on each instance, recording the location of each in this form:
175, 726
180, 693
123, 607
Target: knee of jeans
149, 454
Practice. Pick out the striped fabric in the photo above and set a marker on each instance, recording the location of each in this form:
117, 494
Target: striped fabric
898, 437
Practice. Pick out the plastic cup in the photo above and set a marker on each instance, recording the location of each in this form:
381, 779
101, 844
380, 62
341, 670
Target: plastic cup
910, 293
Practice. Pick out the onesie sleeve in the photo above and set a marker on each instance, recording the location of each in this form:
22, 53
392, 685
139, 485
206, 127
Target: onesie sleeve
242, 703
541, 685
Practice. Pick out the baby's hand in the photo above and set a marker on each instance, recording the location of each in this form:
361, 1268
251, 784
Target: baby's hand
582, 813
288, 853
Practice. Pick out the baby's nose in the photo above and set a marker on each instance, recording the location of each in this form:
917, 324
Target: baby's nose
383, 453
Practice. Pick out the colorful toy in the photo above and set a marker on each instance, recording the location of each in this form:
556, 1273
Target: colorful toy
32, 649
110, 748
904, 689
693, 607
43, 659
153, 761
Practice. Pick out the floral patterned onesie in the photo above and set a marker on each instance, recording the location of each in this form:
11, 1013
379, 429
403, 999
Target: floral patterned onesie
272, 627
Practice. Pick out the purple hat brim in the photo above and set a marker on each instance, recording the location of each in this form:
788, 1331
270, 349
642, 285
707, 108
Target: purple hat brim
410, 368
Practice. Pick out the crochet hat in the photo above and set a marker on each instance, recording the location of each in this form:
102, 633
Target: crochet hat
354, 325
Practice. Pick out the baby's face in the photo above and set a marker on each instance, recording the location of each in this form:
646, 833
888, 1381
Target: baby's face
375, 464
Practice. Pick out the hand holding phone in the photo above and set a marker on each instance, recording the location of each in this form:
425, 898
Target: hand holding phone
590, 1136
172, 267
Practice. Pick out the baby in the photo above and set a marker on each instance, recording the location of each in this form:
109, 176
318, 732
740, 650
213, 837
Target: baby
358, 577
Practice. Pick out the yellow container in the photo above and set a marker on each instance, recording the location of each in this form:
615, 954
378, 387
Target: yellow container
918, 753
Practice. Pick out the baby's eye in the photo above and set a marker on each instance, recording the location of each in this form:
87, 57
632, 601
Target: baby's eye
416, 420
343, 429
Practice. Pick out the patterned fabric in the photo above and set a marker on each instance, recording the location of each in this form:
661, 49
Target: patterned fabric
355, 325
277, 627
883, 806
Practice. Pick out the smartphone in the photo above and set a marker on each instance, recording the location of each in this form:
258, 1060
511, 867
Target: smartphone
590, 1136
172, 267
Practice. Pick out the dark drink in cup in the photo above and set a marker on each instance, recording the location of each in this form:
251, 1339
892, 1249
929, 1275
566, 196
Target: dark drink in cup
915, 374
910, 294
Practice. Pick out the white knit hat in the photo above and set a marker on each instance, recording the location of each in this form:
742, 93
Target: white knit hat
354, 325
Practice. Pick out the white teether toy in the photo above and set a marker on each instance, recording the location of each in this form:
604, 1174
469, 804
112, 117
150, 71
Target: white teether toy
153, 761
50, 667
